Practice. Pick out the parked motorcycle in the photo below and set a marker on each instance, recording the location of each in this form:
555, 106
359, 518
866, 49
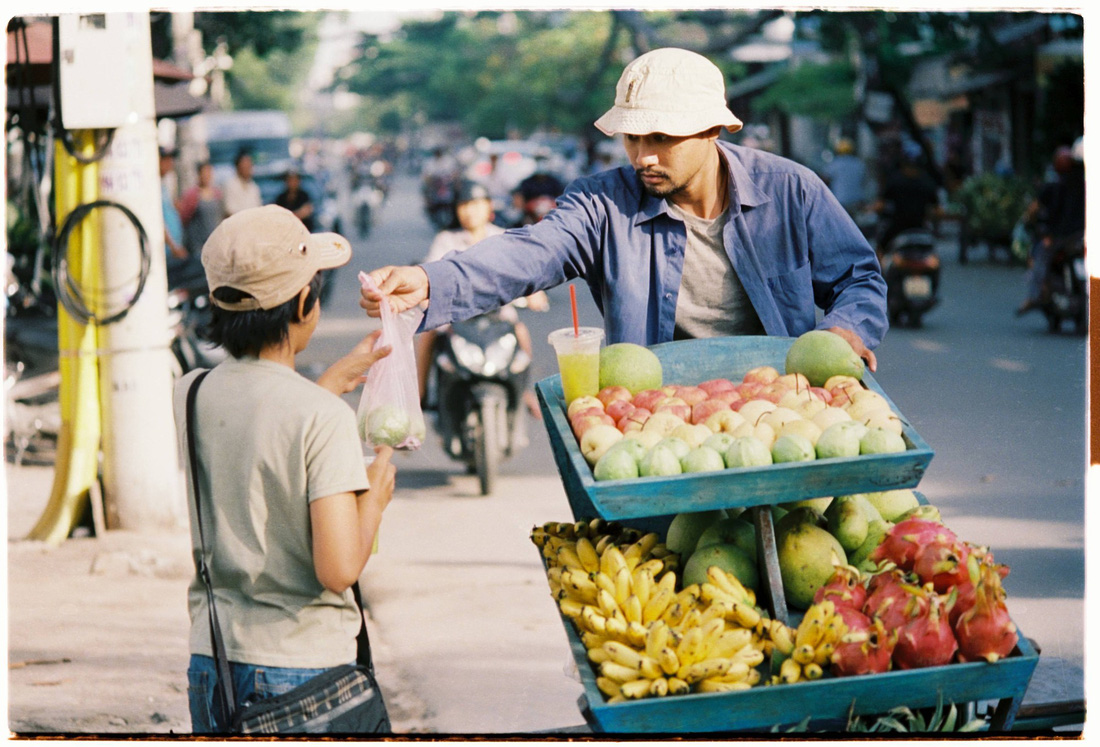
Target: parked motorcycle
476, 383
1066, 295
911, 268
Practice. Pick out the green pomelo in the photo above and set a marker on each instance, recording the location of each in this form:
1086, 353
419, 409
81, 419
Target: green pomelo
893, 503
818, 355
632, 366
729, 558
615, 464
792, 447
847, 521
807, 556
796, 517
683, 532
736, 532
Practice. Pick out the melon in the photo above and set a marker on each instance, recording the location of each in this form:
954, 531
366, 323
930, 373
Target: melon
635, 367
819, 355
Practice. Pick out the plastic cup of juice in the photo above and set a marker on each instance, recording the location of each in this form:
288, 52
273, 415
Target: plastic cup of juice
578, 360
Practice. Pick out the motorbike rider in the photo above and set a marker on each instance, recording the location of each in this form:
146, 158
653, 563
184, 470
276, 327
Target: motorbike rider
909, 199
1059, 212
474, 217
537, 192
697, 237
846, 175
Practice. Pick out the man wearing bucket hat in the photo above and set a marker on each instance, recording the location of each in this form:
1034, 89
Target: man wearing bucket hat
696, 238
289, 511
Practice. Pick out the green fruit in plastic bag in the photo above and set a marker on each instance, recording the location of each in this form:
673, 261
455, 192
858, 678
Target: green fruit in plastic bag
385, 424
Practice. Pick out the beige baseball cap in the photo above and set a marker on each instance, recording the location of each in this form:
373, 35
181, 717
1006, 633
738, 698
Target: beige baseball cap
268, 253
672, 91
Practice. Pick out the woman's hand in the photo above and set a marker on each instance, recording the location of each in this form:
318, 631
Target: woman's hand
382, 476
346, 374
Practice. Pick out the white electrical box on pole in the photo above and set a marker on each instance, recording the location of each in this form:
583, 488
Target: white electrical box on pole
141, 478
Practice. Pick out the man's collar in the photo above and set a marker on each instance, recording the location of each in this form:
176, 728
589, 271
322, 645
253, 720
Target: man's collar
743, 192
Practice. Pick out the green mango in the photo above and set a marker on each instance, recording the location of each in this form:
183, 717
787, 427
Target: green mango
893, 503
847, 521
807, 556
876, 532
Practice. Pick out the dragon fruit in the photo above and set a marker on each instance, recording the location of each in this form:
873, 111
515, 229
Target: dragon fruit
893, 599
927, 639
865, 649
942, 563
902, 542
985, 630
843, 588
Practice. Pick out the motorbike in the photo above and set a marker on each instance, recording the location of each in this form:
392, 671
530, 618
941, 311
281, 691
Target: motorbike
439, 200
1066, 292
476, 383
911, 268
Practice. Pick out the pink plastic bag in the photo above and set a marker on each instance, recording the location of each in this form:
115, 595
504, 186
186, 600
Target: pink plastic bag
389, 410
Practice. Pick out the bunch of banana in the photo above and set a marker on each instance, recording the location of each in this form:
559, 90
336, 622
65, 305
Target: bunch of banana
814, 641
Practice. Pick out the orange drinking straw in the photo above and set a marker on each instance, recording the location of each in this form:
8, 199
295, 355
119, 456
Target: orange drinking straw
573, 303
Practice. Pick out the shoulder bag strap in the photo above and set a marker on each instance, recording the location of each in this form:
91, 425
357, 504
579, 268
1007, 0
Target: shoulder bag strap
221, 660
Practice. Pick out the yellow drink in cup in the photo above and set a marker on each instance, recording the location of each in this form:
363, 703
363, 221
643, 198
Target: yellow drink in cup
578, 360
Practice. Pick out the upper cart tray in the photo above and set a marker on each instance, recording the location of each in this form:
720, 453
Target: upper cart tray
691, 362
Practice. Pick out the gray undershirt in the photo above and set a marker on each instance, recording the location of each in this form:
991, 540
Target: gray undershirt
712, 302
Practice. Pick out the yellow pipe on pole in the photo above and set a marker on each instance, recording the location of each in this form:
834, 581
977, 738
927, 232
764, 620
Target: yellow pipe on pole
77, 465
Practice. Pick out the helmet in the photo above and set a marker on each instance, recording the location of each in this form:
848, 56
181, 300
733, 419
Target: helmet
1063, 159
469, 190
844, 147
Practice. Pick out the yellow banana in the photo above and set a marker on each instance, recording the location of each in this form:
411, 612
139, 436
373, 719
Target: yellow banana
812, 671
597, 655
739, 671
727, 582
656, 638
586, 553
578, 585
667, 580
602, 544
718, 686
635, 689
597, 527
650, 669
612, 560
641, 584
744, 615
567, 556
571, 607
674, 614
808, 633
632, 608
713, 594
603, 581
616, 628
730, 641
803, 654
677, 686
618, 672
635, 634
593, 640
693, 618
790, 671
609, 687
668, 661
690, 649
639, 551
657, 604
606, 602
622, 586
658, 687
783, 638
580, 528
749, 655
712, 629
622, 654
700, 670
593, 621
653, 566
539, 536
689, 594
660, 550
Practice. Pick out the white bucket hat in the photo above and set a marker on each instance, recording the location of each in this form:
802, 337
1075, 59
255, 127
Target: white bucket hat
672, 91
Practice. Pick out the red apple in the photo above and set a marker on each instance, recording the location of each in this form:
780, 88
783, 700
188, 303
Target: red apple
704, 410
617, 408
772, 392
582, 423
714, 386
676, 406
634, 420
729, 397
822, 394
795, 381
749, 389
692, 395
648, 398
760, 375
668, 389
610, 394
581, 403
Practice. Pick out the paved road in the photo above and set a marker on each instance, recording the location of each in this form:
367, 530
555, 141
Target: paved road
1001, 401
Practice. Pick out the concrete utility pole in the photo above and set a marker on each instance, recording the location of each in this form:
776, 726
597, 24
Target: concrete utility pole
140, 466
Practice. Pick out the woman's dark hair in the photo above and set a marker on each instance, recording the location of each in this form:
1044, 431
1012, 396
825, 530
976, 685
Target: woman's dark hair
246, 333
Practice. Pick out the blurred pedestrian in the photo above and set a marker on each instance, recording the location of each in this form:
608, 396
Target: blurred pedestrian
241, 191
201, 209
295, 199
909, 198
846, 176
173, 226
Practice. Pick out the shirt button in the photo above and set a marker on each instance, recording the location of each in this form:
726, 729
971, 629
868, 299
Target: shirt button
668, 296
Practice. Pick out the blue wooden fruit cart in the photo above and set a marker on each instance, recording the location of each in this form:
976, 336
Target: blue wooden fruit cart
651, 502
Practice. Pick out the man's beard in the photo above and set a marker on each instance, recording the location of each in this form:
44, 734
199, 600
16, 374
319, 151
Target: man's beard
662, 190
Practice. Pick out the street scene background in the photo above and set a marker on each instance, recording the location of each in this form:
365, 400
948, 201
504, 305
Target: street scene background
467, 639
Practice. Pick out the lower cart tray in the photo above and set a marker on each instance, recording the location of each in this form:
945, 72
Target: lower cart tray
830, 698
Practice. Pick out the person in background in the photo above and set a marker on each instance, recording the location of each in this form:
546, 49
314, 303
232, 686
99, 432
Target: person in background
474, 215
241, 191
1059, 216
909, 198
295, 199
290, 512
201, 210
695, 238
846, 175
173, 225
